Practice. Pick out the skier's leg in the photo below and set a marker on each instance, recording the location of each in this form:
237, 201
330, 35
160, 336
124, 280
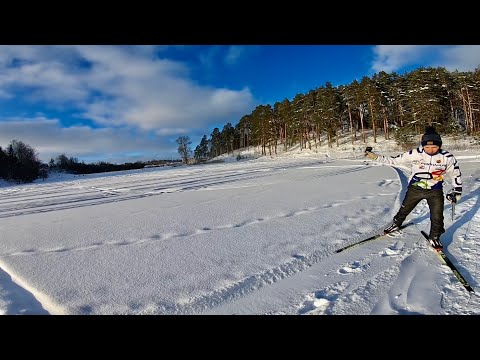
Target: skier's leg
413, 196
435, 203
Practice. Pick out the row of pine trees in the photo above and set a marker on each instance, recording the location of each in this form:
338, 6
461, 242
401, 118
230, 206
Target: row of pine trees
398, 105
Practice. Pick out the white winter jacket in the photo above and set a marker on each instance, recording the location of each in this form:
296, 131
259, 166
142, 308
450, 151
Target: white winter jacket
428, 171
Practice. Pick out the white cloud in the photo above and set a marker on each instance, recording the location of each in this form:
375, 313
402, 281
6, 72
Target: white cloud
390, 58
208, 57
460, 57
119, 86
234, 53
81, 141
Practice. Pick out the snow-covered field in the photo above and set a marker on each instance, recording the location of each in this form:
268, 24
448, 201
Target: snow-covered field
256, 236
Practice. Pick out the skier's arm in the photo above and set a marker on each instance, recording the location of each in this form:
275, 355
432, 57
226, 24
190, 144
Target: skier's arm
403, 159
453, 170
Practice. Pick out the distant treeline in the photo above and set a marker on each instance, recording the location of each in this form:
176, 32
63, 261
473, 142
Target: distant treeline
400, 105
19, 162
73, 166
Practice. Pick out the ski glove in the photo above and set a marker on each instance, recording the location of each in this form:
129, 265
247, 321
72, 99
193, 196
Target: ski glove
371, 155
453, 197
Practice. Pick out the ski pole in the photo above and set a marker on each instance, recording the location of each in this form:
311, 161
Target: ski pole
453, 209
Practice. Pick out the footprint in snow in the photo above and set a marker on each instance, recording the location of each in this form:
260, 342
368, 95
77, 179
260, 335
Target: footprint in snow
352, 267
319, 302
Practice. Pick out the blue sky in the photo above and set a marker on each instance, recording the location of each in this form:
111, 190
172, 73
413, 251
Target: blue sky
129, 103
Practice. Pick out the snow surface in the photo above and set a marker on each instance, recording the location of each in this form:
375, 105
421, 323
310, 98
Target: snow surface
256, 236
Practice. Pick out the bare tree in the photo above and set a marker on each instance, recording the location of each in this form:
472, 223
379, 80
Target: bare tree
184, 147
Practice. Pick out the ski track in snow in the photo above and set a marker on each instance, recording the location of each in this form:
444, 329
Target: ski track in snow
171, 235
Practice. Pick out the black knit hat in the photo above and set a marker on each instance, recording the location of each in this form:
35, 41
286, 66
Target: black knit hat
431, 137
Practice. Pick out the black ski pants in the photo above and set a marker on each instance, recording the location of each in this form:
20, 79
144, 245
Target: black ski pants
434, 199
